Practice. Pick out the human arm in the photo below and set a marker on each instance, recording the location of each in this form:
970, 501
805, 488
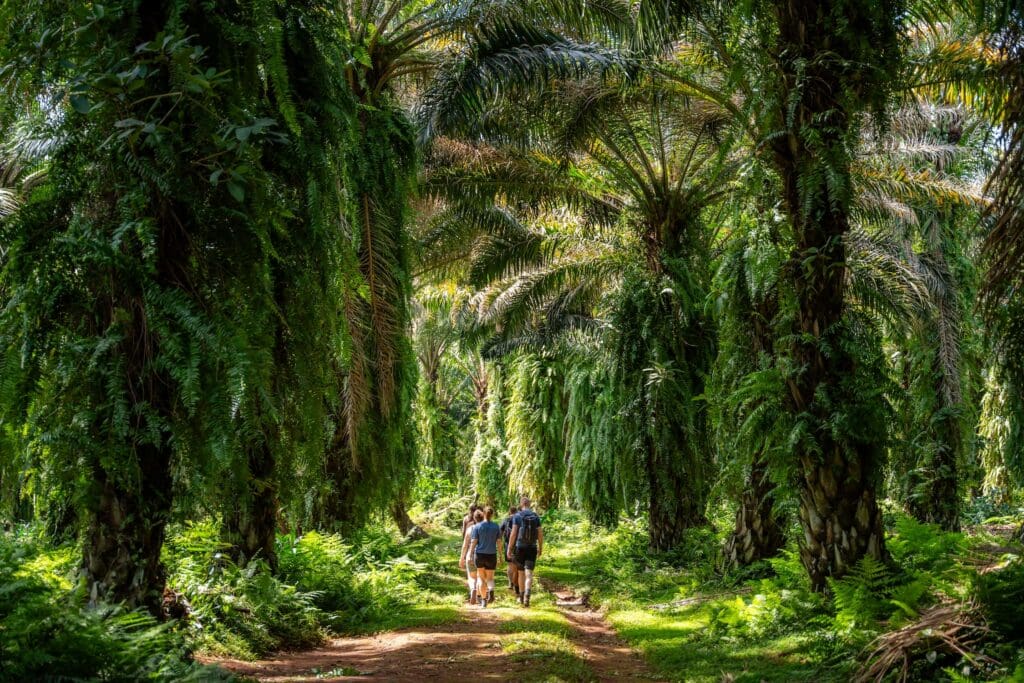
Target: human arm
540, 540
511, 542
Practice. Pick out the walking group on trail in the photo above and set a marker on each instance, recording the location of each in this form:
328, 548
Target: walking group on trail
519, 539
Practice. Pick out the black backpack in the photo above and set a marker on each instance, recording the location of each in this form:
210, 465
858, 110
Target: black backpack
529, 522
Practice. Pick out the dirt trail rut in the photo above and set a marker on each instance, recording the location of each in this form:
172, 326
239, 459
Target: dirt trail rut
465, 650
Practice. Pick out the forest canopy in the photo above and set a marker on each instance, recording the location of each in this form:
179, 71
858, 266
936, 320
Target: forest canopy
284, 285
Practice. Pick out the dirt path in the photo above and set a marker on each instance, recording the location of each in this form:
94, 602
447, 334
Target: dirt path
609, 657
465, 650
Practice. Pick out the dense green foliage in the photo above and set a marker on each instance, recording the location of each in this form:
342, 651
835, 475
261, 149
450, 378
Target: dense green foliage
738, 281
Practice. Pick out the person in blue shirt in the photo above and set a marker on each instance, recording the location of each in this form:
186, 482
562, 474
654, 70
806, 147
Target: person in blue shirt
484, 541
467, 560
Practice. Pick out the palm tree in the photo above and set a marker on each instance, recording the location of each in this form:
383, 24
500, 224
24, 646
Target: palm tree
749, 411
452, 384
640, 158
917, 192
970, 54
816, 78
371, 456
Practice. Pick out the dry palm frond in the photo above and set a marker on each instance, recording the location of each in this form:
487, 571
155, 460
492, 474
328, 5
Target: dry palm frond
1004, 247
8, 201
919, 186
951, 628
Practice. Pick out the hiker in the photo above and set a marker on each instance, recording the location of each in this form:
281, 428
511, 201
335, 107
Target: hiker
468, 562
510, 565
484, 539
525, 545
468, 520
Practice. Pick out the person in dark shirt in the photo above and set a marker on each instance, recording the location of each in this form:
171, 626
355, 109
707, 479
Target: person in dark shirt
510, 565
526, 545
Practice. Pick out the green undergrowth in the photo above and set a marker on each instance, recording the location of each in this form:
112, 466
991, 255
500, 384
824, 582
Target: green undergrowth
325, 585
691, 622
48, 633
764, 624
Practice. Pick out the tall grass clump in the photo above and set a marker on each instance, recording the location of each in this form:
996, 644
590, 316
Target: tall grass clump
240, 611
355, 583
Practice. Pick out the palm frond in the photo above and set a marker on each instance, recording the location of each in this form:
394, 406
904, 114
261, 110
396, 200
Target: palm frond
1004, 246
883, 279
507, 58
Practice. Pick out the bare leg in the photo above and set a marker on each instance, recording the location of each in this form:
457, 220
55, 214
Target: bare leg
485, 585
471, 581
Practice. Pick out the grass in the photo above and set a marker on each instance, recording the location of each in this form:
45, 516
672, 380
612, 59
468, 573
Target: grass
542, 637
677, 646
684, 643
551, 657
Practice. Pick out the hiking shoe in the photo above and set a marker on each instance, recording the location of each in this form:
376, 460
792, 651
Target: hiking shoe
490, 597
526, 599
519, 598
472, 597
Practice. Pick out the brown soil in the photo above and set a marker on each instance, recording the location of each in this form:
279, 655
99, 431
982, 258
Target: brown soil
466, 650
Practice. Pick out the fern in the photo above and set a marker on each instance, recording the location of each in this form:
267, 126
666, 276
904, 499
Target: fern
859, 597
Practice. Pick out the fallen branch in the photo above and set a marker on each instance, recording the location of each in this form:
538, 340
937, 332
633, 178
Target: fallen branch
462, 503
953, 628
698, 599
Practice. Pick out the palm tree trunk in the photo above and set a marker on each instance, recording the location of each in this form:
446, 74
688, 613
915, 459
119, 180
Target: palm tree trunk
757, 534
132, 499
823, 82
839, 511
408, 528
675, 502
943, 480
839, 515
251, 521
337, 509
935, 494
121, 549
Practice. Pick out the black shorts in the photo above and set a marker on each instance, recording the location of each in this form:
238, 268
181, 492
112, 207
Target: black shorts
486, 560
526, 556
